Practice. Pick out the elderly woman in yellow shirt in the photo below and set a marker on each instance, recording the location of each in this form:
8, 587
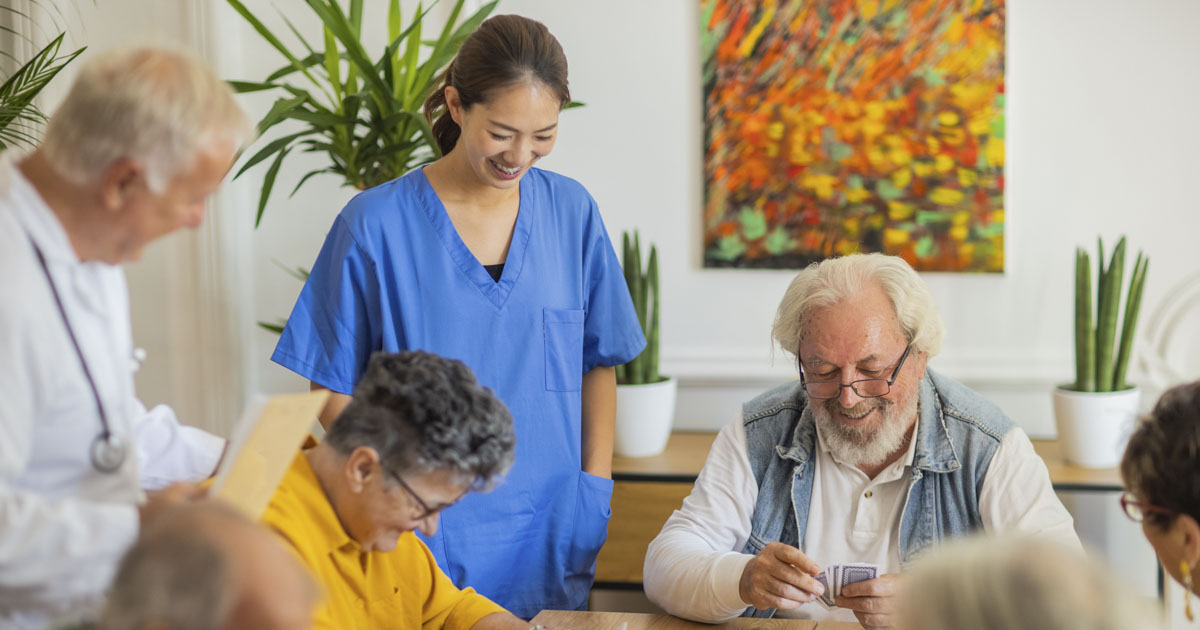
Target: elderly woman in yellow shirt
419, 433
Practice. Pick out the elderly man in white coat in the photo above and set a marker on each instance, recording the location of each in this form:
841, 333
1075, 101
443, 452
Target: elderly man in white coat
140, 142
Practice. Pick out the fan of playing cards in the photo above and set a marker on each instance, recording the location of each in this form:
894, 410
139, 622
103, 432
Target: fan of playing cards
836, 576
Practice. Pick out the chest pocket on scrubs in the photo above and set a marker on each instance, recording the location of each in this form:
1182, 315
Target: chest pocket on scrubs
563, 330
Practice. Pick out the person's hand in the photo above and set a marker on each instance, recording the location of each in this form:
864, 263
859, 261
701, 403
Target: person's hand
873, 601
160, 501
781, 577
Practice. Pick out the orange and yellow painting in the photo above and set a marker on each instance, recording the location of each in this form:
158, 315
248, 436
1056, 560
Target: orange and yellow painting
841, 126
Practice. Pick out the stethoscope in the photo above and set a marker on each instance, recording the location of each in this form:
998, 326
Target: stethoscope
107, 451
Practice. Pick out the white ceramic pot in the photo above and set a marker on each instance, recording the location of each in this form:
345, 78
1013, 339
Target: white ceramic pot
1093, 428
644, 417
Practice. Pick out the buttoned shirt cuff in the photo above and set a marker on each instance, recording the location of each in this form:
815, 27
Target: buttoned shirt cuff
726, 579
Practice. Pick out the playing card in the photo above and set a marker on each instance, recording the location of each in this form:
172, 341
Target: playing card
826, 598
855, 572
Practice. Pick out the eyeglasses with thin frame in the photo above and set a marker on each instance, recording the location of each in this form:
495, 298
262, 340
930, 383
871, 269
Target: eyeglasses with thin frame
1137, 510
426, 511
865, 388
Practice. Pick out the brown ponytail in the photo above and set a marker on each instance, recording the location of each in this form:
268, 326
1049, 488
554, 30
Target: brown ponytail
503, 51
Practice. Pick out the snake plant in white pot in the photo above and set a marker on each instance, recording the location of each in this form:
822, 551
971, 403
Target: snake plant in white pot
645, 398
1095, 414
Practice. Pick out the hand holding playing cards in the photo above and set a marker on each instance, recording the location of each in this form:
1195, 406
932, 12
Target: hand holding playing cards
780, 576
873, 601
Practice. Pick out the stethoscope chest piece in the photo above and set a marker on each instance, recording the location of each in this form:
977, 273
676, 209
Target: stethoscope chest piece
107, 453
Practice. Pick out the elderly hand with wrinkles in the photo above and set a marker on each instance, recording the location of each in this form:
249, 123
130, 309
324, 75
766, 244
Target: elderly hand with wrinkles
780, 577
874, 602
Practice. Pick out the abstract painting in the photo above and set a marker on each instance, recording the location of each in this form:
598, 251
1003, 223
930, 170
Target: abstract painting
841, 126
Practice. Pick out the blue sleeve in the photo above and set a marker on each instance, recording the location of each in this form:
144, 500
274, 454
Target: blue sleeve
335, 325
611, 332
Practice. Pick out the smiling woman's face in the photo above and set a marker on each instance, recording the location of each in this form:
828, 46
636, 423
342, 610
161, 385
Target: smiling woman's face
505, 135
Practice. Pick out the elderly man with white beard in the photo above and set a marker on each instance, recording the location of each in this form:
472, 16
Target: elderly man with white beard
868, 457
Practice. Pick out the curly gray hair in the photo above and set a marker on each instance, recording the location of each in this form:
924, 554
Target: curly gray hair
830, 281
421, 413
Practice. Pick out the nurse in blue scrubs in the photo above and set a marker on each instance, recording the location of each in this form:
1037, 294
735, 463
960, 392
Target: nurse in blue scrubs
483, 258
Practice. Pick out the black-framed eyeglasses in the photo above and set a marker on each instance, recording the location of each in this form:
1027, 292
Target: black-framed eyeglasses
1137, 510
865, 388
426, 511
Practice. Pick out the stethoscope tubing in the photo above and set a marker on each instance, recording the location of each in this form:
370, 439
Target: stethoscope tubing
107, 453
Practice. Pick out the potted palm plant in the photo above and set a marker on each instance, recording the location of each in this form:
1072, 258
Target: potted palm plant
1095, 413
364, 113
645, 398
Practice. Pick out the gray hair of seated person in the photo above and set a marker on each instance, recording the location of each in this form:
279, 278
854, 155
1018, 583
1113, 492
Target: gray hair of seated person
830, 281
176, 576
158, 107
421, 413
985, 583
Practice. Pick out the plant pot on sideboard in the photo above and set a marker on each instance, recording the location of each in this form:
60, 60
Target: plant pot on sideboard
644, 417
1093, 427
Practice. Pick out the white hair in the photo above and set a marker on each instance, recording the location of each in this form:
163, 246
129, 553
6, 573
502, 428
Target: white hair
158, 107
830, 281
985, 583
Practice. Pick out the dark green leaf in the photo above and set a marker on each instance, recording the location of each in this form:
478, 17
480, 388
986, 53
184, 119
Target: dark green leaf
278, 144
275, 328
305, 179
333, 18
289, 69
242, 87
320, 118
279, 111
271, 39
268, 184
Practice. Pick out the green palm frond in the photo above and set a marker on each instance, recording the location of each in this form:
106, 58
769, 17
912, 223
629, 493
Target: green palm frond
19, 117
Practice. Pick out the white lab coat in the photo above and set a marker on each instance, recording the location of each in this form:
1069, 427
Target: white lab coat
63, 524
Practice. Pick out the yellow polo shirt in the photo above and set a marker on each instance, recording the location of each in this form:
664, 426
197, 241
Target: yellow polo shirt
399, 589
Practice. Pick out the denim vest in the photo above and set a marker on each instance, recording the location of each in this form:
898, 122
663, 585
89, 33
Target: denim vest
958, 432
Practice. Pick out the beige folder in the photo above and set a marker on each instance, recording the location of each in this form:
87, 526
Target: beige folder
264, 443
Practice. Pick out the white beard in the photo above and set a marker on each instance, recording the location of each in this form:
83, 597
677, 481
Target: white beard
867, 445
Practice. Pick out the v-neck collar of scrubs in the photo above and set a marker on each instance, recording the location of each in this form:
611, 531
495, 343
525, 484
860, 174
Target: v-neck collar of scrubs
496, 292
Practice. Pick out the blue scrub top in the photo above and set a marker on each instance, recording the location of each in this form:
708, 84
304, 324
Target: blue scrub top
394, 275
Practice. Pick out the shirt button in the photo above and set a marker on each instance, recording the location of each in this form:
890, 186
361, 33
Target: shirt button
867, 494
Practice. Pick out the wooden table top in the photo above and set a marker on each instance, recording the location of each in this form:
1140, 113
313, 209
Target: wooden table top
582, 620
686, 452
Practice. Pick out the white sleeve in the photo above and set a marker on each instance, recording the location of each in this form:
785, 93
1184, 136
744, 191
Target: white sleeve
51, 550
169, 451
694, 565
1017, 494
